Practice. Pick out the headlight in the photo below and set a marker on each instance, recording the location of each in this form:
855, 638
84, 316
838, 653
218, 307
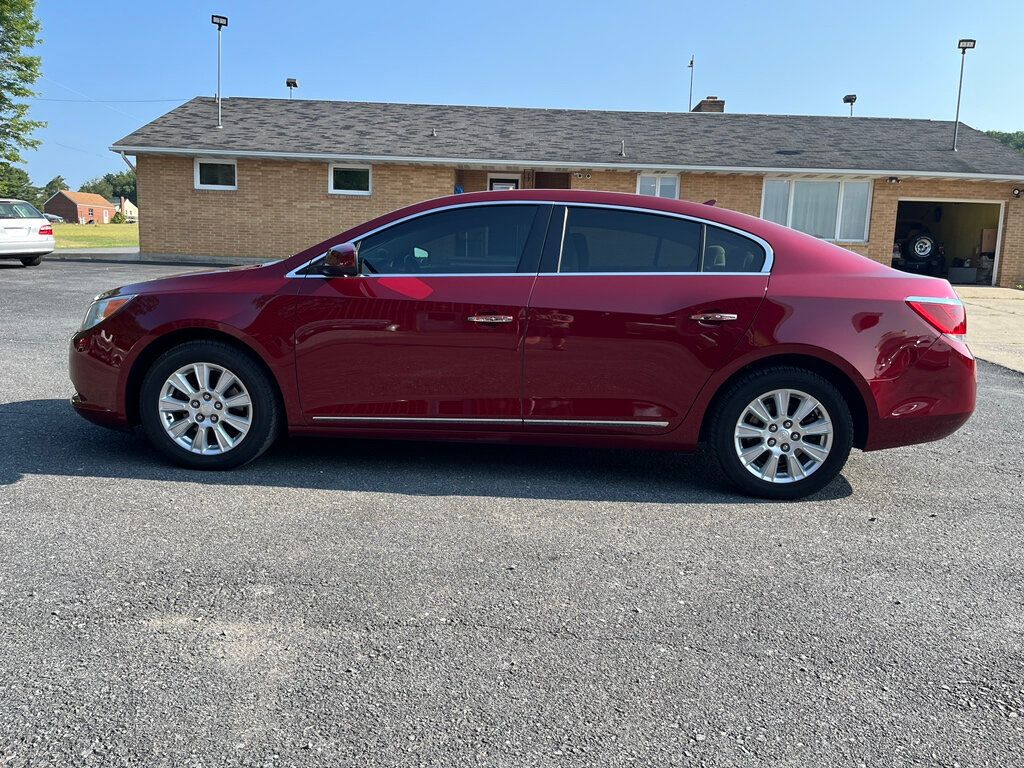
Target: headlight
101, 309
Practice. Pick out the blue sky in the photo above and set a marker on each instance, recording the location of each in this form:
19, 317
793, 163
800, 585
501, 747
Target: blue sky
899, 57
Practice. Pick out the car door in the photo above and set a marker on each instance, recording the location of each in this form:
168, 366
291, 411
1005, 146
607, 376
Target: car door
631, 313
430, 333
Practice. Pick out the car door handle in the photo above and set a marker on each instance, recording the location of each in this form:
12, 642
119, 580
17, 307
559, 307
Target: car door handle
490, 319
714, 317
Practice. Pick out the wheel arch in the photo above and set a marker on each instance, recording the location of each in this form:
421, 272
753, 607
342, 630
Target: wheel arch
167, 341
841, 379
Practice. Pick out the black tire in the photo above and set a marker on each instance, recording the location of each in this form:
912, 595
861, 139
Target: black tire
925, 242
266, 416
744, 391
31, 261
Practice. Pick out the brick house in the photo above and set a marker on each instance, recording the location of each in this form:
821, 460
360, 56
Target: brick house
80, 207
282, 174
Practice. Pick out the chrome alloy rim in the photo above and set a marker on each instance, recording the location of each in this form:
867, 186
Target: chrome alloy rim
205, 408
783, 436
922, 247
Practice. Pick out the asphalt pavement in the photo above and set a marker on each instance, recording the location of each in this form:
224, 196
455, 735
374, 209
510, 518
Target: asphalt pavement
409, 604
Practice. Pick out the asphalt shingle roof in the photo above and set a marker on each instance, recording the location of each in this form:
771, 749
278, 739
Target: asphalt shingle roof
576, 138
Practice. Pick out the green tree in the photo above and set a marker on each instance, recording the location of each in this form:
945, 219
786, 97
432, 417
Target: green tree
53, 186
19, 32
123, 184
113, 185
1012, 139
100, 186
14, 182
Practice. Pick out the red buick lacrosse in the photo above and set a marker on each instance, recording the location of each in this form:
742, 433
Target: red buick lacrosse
541, 316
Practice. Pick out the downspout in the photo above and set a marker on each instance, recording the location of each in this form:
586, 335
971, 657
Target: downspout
127, 161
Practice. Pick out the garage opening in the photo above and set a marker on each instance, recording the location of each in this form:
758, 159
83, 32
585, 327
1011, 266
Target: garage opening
952, 239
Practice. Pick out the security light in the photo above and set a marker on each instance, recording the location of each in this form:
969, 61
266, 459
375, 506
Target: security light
965, 44
291, 82
220, 21
850, 98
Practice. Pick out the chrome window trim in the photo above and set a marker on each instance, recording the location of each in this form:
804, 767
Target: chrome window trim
935, 300
769, 260
472, 420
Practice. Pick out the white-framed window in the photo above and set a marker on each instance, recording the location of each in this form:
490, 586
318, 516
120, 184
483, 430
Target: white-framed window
349, 179
499, 182
215, 174
658, 185
832, 209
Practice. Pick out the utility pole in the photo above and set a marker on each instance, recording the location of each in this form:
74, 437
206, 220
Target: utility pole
690, 65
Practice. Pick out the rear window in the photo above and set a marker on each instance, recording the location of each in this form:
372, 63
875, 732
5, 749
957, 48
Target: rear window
602, 240
19, 211
726, 251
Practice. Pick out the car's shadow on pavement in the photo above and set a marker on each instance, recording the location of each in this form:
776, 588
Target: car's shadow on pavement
45, 437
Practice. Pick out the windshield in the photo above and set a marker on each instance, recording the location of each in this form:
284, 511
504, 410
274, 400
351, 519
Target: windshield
18, 211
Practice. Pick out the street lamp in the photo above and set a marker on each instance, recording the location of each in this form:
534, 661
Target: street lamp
220, 22
850, 98
965, 44
291, 83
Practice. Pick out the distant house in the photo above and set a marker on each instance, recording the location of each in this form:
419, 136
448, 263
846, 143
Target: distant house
126, 208
80, 207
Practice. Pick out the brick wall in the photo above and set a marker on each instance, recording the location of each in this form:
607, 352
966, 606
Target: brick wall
733, 191
279, 208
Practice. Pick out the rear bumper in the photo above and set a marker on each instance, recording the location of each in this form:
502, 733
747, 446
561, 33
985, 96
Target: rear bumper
931, 400
37, 246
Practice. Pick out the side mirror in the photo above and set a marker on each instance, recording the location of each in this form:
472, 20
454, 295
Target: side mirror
342, 261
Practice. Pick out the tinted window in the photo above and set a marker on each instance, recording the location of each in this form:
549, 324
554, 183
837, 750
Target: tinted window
350, 179
726, 251
605, 240
217, 174
473, 240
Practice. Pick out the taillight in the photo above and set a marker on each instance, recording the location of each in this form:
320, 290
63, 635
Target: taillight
46, 229
947, 316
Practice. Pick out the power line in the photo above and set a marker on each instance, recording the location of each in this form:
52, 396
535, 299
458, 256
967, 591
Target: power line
109, 101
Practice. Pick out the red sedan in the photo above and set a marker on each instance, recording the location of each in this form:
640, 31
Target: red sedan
542, 316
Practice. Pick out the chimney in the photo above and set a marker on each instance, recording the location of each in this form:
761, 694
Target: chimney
710, 104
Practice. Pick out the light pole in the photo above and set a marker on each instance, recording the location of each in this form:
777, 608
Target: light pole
220, 22
964, 45
291, 83
690, 65
850, 99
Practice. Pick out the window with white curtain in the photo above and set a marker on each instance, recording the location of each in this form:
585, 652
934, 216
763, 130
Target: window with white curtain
831, 210
658, 185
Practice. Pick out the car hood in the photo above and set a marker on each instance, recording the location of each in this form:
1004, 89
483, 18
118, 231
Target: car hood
195, 282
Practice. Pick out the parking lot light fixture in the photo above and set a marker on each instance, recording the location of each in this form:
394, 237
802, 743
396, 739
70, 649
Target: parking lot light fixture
850, 99
291, 83
220, 22
964, 44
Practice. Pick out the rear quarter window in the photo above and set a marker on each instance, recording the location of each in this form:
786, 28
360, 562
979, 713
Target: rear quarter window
728, 251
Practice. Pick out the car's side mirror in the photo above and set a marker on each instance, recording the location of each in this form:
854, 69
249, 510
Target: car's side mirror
342, 261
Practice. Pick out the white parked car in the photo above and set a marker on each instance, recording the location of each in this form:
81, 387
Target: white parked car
25, 234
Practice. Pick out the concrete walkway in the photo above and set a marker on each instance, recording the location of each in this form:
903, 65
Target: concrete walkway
995, 324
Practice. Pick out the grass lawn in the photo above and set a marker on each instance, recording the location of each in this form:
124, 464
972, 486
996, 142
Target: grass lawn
96, 235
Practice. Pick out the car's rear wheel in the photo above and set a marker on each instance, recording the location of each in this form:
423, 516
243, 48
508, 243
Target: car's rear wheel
207, 405
31, 261
782, 432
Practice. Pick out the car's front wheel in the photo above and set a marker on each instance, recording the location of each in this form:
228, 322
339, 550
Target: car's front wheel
782, 432
208, 405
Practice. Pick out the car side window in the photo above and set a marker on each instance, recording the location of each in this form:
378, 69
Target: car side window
471, 240
608, 240
727, 251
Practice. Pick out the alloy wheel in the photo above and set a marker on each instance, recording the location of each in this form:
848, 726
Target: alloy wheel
783, 436
205, 408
